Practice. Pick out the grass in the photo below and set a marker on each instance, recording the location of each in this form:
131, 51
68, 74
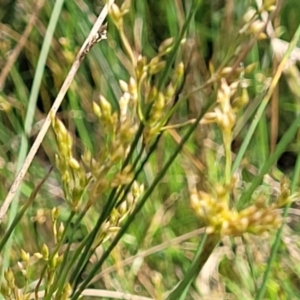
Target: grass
167, 185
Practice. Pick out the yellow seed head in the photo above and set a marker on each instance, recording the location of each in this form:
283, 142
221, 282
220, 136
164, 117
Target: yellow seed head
25, 256
10, 278
105, 107
45, 252
256, 27
125, 6
115, 14
55, 214
74, 164
123, 86
166, 46
97, 110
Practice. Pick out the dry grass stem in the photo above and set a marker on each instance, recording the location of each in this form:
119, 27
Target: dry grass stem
92, 39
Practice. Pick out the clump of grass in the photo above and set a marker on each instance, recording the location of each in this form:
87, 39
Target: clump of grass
115, 171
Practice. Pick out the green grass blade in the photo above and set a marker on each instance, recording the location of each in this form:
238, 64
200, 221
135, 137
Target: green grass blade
265, 102
285, 140
30, 117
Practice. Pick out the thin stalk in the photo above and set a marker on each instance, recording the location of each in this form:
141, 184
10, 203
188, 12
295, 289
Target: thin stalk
262, 289
227, 139
296, 175
63, 271
250, 263
64, 268
275, 245
205, 248
86, 244
21, 213
61, 241
164, 75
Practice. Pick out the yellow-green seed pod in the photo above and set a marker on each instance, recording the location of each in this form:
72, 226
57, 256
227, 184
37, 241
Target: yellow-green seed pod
60, 259
59, 163
141, 67
86, 157
60, 232
9, 277
5, 105
240, 102
160, 102
152, 94
250, 68
76, 196
249, 15
53, 262
156, 68
166, 46
269, 5
65, 177
210, 117
105, 107
45, 252
97, 110
114, 216
226, 70
117, 154
256, 27
115, 14
5, 290
135, 189
178, 75
154, 61
38, 255
113, 229
123, 86
25, 256
55, 214
81, 175
67, 292
125, 6
123, 208
223, 96
60, 128
130, 200
69, 144
132, 85
74, 164
169, 93
20, 266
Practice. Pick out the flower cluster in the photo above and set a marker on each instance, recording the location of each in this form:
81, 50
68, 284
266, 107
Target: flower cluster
118, 214
220, 218
72, 172
213, 207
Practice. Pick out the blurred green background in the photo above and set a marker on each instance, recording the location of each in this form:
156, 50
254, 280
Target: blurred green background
212, 39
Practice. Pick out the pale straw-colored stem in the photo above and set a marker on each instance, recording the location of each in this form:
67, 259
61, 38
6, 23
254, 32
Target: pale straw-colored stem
88, 43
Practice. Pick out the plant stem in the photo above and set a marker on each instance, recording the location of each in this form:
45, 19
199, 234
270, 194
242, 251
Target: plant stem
205, 248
